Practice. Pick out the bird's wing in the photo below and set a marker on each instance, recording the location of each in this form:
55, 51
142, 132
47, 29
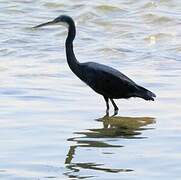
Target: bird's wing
106, 80
95, 69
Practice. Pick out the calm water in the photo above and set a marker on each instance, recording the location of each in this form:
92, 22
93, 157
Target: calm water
52, 126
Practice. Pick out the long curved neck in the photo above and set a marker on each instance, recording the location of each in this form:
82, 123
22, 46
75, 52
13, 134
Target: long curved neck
71, 59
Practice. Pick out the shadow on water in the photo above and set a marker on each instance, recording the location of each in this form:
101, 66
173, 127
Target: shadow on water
113, 128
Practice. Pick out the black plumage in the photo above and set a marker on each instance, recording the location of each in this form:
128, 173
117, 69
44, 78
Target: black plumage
104, 80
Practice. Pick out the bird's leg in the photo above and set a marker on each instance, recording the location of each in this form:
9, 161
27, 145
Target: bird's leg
107, 105
115, 107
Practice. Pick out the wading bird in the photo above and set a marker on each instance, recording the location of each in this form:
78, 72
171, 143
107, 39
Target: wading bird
104, 80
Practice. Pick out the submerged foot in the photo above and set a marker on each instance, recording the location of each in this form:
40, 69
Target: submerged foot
107, 112
115, 112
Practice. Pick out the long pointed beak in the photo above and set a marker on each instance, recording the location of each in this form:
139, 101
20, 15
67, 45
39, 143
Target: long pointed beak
45, 24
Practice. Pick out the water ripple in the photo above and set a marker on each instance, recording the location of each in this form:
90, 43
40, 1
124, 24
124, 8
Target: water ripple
47, 115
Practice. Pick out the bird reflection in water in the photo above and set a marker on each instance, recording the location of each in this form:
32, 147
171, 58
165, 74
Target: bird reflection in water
113, 127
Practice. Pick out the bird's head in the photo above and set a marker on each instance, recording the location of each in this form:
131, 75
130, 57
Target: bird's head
62, 19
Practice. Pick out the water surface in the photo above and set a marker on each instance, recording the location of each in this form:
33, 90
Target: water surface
53, 126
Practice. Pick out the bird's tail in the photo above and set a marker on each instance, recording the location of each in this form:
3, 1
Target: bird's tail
146, 94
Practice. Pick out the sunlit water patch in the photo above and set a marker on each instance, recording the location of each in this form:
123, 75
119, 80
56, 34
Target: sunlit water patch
52, 125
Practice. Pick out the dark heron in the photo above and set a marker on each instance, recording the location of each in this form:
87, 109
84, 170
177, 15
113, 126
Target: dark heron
108, 82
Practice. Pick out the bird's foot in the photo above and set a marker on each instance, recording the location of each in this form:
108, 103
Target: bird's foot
115, 112
107, 112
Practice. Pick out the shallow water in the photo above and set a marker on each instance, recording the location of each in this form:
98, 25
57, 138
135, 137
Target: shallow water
53, 126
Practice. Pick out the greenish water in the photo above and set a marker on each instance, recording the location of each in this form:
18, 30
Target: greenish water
52, 126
